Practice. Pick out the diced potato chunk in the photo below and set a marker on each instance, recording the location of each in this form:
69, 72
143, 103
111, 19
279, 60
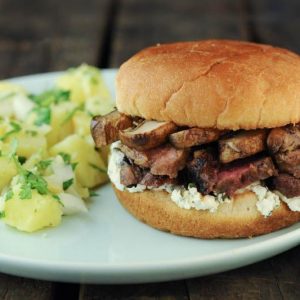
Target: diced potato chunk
61, 125
8, 171
91, 170
81, 123
32, 214
28, 143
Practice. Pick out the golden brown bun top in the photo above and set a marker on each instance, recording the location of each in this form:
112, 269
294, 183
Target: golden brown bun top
213, 83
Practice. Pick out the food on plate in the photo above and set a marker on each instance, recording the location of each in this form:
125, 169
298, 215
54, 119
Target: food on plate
215, 151
147, 135
44, 140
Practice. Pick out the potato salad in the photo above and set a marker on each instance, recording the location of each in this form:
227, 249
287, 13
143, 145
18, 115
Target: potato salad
48, 161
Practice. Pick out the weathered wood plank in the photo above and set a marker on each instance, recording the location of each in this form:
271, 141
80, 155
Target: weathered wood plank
50, 35
160, 291
143, 23
16, 288
253, 282
277, 22
286, 268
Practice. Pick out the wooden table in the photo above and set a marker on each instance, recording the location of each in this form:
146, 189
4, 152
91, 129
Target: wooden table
47, 35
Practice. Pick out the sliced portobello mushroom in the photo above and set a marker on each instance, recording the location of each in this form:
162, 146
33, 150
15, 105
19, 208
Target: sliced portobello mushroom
105, 129
242, 144
147, 135
194, 136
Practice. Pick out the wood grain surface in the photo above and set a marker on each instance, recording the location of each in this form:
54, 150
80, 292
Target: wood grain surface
41, 36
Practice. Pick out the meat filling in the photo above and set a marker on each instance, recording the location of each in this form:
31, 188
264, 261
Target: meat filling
203, 171
163, 160
239, 175
288, 185
214, 162
284, 144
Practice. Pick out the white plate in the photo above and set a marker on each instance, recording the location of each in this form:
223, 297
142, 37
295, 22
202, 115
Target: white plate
108, 245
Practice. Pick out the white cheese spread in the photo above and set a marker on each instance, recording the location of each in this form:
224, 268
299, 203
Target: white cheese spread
190, 198
293, 203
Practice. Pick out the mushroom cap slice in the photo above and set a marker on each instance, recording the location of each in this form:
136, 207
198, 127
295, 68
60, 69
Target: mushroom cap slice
147, 135
194, 136
105, 129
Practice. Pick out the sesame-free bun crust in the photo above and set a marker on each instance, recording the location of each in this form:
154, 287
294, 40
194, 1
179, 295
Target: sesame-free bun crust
236, 219
214, 83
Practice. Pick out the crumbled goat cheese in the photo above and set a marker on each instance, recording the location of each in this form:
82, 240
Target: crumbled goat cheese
267, 201
189, 198
293, 203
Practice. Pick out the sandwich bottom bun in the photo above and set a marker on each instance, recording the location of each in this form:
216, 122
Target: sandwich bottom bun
236, 219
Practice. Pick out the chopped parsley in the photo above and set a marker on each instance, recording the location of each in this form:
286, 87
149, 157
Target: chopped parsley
70, 115
93, 193
25, 192
15, 128
67, 160
31, 181
54, 96
66, 157
67, 183
21, 159
2, 214
56, 197
98, 168
8, 195
43, 164
43, 115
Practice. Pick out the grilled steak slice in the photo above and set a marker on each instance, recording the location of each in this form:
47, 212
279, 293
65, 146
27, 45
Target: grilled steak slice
163, 160
130, 174
241, 145
193, 136
105, 129
240, 174
287, 184
289, 162
156, 180
284, 144
202, 170
284, 139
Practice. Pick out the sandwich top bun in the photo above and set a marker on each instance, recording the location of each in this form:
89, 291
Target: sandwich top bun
215, 83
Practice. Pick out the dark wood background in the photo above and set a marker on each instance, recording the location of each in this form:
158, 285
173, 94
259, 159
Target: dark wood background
47, 35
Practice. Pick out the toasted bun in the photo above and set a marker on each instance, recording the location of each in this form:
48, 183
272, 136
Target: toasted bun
214, 83
239, 218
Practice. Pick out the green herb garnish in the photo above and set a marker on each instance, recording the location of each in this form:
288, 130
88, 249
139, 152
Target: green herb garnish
98, 168
43, 116
67, 183
43, 164
31, 181
47, 98
8, 195
2, 214
15, 129
93, 193
70, 115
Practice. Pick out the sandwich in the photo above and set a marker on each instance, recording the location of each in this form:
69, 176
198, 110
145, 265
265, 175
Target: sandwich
205, 140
